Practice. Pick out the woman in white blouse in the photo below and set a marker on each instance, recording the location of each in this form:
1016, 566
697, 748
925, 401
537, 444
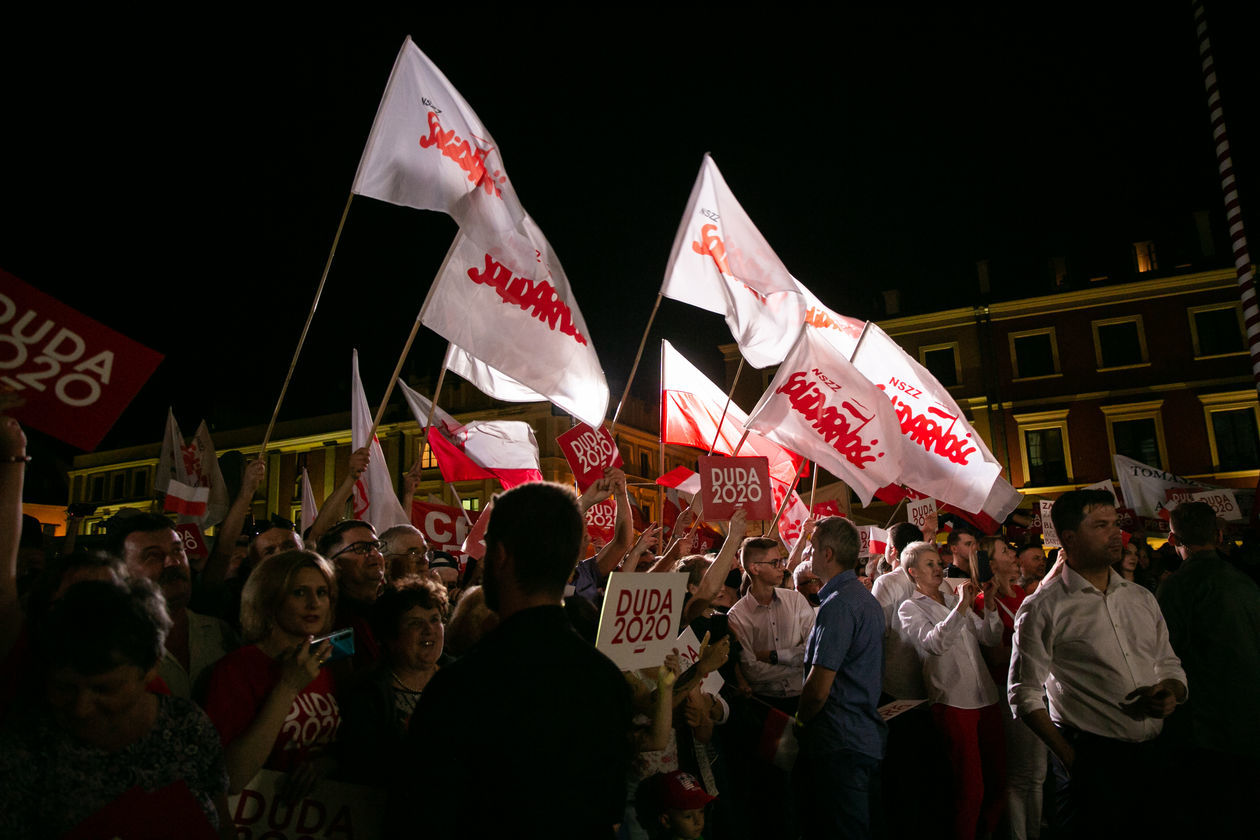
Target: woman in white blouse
965, 703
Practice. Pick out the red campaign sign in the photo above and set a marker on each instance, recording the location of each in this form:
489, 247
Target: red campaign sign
589, 452
600, 520
194, 543
443, 526
727, 483
74, 375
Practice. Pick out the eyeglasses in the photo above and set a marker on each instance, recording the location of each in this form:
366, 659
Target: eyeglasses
416, 554
362, 548
781, 563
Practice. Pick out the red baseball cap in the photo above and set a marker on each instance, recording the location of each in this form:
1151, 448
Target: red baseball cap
683, 792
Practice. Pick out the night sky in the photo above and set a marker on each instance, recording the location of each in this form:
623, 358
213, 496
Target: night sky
183, 185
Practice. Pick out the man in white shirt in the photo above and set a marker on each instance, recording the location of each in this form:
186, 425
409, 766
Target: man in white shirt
772, 626
1096, 647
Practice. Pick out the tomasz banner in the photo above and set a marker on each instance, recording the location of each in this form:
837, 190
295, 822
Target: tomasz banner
589, 452
332, 809
730, 483
639, 622
73, 374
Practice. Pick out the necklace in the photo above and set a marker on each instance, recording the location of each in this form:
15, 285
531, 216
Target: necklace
399, 681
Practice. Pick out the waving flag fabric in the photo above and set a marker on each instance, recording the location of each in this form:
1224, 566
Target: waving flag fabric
375, 499
185, 468
722, 263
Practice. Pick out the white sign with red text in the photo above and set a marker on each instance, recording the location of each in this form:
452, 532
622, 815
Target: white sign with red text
1222, 501
639, 622
919, 511
872, 541
1049, 536
727, 483
689, 651
332, 809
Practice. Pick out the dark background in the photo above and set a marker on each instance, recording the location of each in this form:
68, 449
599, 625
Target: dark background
180, 180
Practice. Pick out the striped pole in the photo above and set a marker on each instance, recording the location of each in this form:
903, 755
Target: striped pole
1233, 211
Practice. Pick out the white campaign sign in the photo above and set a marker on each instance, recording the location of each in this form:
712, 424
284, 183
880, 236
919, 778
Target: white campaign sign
1049, 536
917, 512
1104, 485
1222, 501
331, 810
639, 622
689, 651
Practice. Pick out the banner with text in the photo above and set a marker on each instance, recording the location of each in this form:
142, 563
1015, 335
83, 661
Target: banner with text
443, 526
74, 375
730, 482
332, 809
639, 622
589, 452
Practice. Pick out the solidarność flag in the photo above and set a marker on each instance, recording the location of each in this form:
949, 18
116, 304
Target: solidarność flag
722, 263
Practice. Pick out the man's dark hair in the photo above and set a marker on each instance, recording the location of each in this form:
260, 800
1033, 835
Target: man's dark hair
904, 533
98, 625
332, 537
759, 545
1194, 523
121, 527
1070, 509
539, 525
841, 536
958, 531
401, 597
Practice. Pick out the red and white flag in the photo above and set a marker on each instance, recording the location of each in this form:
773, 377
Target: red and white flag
681, 479
794, 515
944, 456
872, 541
820, 406
192, 465
429, 150
310, 508
691, 406
510, 306
185, 500
496, 449
722, 263
375, 497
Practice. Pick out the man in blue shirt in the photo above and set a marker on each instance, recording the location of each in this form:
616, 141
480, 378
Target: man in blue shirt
842, 734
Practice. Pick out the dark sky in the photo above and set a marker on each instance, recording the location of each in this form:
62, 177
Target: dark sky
182, 184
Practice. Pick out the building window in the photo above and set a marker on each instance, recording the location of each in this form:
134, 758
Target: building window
1137, 431
98, 488
1120, 343
140, 483
1044, 448
1144, 257
427, 461
1034, 353
645, 464
1233, 425
1217, 330
472, 503
941, 360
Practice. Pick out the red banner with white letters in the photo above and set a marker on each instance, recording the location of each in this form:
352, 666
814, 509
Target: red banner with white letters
443, 526
589, 452
74, 375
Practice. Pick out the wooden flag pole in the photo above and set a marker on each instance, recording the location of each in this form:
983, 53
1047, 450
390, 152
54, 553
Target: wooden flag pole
787, 497
428, 426
319, 290
894, 511
812, 487
717, 435
635, 367
459, 503
393, 380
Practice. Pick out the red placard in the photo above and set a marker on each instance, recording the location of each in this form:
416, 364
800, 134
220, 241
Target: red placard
74, 374
727, 483
828, 508
600, 520
589, 452
443, 526
194, 543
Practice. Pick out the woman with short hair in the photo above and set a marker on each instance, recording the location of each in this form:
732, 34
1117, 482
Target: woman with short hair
272, 701
105, 756
965, 701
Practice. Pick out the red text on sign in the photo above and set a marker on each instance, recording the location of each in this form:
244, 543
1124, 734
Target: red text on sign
472, 159
538, 297
837, 427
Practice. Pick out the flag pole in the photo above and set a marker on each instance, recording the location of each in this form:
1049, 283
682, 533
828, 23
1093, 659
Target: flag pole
729, 394
812, 487
787, 497
635, 367
428, 426
393, 380
319, 290
660, 420
894, 512
459, 503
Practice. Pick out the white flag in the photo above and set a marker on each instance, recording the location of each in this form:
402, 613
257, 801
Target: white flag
375, 500
512, 308
944, 456
722, 263
429, 150
821, 407
194, 465
310, 508
1144, 486
171, 459
840, 330
489, 381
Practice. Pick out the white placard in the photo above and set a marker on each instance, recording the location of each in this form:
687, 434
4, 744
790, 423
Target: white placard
639, 621
1049, 536
918, 512
1222, 501
689, 651
332, 809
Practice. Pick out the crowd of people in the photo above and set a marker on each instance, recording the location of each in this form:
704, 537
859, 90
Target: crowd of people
952, 687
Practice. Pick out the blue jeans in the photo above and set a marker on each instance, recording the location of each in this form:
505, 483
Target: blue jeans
838, 794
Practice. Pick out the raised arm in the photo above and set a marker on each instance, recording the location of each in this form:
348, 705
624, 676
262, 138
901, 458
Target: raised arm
715, 575
798, 550
230, 528
623, 534
333, 510
410, 482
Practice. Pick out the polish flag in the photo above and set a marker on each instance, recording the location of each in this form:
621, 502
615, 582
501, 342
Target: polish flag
429, 150
681, 479
504, 450
691, 406
375, 497
193, 465
720, 262
873, 541
185, 500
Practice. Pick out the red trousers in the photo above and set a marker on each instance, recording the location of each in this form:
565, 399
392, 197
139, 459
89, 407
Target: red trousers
976, 745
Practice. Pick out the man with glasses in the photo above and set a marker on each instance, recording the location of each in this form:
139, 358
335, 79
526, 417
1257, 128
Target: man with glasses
355, 552
406, 552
